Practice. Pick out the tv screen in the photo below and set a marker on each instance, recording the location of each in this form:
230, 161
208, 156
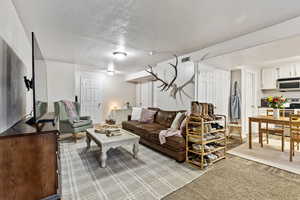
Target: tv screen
12, 88
39, 72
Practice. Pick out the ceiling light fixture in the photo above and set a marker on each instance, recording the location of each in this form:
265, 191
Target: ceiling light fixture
111, 69
119, 54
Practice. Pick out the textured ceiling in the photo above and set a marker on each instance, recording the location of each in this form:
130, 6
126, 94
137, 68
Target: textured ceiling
86, 32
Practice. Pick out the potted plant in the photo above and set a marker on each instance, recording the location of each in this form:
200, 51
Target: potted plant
276, 102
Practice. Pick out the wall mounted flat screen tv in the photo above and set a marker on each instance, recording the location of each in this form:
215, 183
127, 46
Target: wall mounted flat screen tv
12, 88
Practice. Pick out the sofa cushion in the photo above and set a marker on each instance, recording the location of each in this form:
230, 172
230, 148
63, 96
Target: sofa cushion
147, 115
165, 118
177, 121
136, 113
174, 143
141, 129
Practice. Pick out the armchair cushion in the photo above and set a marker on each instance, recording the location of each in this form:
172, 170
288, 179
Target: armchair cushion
81, 123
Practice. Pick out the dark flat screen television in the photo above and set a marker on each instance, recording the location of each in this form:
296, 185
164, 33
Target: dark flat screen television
38, 82
12, 89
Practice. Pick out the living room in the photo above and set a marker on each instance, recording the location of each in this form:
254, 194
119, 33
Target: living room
149, 100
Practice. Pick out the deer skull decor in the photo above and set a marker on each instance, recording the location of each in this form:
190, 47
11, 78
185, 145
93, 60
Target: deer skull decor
166, 86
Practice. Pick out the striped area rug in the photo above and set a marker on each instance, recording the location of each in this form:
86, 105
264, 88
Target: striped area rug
151, 176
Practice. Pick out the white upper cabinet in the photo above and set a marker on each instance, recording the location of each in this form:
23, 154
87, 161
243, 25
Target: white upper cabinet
270, 75
286, 71
268, 78
297, 70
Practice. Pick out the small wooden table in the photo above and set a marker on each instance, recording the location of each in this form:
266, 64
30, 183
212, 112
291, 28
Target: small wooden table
285, 121
105, 143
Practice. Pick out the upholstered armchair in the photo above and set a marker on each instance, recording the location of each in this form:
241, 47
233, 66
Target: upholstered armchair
67, 124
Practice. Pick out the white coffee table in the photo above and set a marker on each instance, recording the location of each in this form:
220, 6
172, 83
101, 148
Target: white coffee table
105, 143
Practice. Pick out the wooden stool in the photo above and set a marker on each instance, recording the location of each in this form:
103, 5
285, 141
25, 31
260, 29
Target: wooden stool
237, 128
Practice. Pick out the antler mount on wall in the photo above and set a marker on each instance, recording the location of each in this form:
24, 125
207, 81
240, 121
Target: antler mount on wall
166, 86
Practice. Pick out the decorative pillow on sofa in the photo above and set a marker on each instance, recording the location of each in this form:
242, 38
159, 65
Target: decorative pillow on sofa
177, 121
136, 113
183, 122
147, 115
182, 125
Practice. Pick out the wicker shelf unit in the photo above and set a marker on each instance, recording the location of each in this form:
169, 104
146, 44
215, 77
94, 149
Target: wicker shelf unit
200, 133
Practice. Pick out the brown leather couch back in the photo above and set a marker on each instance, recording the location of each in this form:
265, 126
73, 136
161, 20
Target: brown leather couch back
165, 118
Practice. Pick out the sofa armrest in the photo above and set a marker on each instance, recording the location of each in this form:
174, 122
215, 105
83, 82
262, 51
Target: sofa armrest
85, 117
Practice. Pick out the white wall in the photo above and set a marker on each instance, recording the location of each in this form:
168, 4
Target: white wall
64, 84
115, 90
214, 87
13, 33
144, 94
60, 82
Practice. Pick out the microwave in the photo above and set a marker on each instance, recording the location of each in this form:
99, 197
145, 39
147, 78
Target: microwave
288, 84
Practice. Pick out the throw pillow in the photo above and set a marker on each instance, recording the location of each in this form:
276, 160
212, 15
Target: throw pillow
177, 121
183, 123
147, 116
136, 113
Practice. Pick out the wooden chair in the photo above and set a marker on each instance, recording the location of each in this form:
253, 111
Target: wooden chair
294, 134
235, 127
273, 130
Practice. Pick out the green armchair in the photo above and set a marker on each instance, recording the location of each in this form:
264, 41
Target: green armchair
67, 124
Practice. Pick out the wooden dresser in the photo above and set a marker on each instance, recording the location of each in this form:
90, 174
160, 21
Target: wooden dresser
29, 163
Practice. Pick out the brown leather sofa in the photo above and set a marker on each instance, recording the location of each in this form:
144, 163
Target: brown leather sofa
149, 133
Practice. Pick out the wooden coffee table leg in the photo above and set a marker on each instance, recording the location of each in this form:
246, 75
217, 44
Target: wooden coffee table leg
103, 157
88, 142
135, 149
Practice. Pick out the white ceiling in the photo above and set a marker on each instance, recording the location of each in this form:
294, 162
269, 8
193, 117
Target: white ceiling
265, 55
86, 32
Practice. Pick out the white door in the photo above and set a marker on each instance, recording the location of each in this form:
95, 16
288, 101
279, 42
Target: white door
90, 98
249, 98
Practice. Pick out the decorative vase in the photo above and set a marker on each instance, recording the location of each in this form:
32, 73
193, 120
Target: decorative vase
276, 113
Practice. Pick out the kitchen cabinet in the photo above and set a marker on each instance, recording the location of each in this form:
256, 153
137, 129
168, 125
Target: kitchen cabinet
270, 75
289, 71
268, 78
297, 70
285, 72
